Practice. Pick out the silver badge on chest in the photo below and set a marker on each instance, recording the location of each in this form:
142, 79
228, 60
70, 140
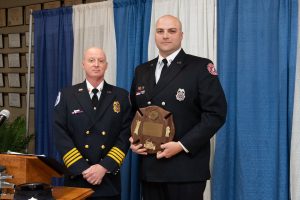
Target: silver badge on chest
180, 96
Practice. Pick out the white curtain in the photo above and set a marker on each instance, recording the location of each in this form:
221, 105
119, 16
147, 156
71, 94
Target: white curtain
295, 143
199, 33
93, 25
198, 25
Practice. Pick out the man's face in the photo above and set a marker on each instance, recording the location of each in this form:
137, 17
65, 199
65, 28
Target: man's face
94, 63
168, 35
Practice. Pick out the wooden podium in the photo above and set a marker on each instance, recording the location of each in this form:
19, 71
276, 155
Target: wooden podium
29, 169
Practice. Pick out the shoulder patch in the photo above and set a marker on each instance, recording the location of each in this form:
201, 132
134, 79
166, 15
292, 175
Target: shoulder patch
211, 69
57, 99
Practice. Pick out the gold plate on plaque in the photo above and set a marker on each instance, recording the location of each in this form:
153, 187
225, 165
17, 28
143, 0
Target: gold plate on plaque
152, 126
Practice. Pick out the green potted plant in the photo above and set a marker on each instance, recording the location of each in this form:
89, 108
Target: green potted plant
12, 136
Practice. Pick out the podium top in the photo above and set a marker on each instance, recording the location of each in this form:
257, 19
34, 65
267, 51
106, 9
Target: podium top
50, 162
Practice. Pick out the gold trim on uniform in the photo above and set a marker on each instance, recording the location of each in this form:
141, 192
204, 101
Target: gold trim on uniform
67, 162
116, 107
71, 163
119, 151
117, 155
115, 158
68, 153
71, 157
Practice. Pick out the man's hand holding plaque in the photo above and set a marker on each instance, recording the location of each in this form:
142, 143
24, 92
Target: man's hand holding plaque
151, 127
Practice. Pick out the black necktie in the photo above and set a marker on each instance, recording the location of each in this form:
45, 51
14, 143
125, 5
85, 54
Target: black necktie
164, 69
95, 97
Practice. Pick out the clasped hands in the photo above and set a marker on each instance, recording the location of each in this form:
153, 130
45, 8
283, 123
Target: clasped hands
94, 174
169, 149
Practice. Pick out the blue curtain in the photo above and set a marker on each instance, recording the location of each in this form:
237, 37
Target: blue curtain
53, 39
132, 25
256, 61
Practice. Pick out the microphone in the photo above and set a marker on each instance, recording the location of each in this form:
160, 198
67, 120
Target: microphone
4, 114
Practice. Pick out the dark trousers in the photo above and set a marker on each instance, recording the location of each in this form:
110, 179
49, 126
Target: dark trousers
173, 191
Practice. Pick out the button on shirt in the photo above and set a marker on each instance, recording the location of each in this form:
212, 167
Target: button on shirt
160, 64
90, 88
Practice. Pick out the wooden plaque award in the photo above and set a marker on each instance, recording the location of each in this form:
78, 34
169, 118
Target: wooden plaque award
152, 126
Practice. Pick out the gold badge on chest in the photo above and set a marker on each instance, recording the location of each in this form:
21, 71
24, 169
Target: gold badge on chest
116, 107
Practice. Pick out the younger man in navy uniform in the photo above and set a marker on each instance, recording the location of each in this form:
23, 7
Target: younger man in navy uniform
188, 87
91, 128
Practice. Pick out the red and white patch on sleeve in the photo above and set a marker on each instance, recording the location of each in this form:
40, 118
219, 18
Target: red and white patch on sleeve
211, 69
